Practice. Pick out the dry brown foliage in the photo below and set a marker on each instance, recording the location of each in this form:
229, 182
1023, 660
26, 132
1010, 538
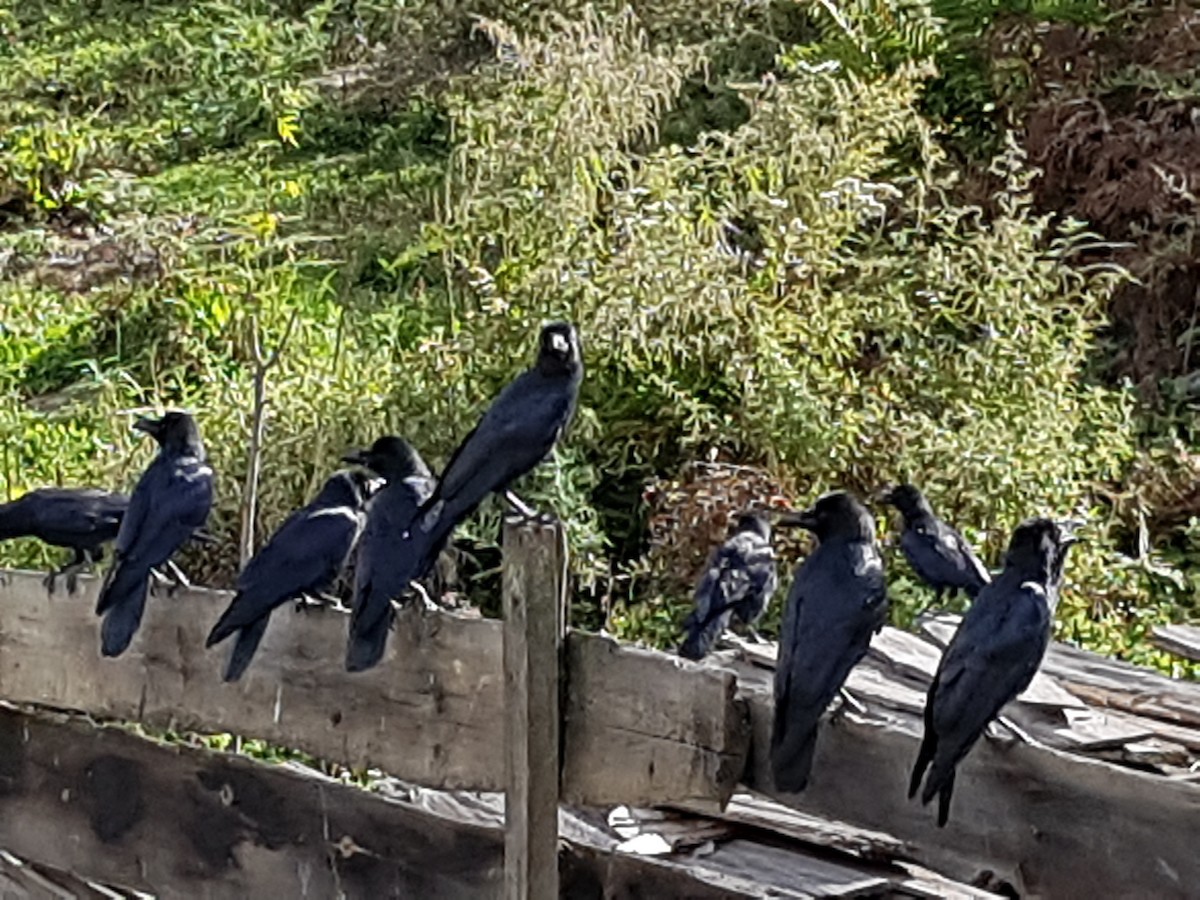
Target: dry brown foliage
1114, 126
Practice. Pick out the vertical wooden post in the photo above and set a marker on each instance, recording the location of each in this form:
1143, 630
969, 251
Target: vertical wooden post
534, 595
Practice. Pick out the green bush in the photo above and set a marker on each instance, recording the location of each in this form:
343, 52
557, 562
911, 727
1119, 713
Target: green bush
796, 288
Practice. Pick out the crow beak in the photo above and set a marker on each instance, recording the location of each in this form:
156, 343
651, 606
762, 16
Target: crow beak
559, 344
147, 425
356, 458
806, 519
1068, 528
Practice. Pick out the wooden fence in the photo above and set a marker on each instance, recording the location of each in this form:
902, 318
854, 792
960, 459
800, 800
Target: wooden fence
589, 722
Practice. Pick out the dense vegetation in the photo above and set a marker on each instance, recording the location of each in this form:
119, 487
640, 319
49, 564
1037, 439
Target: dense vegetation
804, 244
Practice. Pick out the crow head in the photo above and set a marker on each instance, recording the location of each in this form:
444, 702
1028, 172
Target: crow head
392, 457
558, 349
175, 431
754, 522
837, 514
909, 500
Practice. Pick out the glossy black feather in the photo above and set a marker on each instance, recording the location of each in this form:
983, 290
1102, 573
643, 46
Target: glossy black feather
838, 599
516, 433
739, 581
75, 518
80, 519
171, 501
391, 550
992, 657
304, 556
939, 555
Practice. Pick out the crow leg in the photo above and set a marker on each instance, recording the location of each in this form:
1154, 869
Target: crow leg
332, 600
526, 511
78, 561
304, 601
937, 596
848, 703
201, 536
173, 579
427, 604
180, 580
82, 560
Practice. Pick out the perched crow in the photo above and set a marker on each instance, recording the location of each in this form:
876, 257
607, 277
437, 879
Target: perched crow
303, 557
171, 502
739, 581
937, 553
382, 574
516, 433
837, 601
993, 656
80, 519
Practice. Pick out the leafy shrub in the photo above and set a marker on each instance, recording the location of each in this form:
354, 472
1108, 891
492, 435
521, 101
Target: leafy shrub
796, 290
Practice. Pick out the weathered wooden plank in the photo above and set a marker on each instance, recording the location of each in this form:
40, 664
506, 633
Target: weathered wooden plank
1049, 823
20, 880
185, 823
181, 822
533, 596
644, 728
1182, 640
432, 712
750, 809
1092, 730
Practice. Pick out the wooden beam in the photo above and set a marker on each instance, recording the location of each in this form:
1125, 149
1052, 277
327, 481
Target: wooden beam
1050, 823
642, 726
180, 822
432, 712
534, 594
1182, 640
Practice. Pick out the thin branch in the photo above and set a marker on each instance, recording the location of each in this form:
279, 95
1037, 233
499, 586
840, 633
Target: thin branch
258, 424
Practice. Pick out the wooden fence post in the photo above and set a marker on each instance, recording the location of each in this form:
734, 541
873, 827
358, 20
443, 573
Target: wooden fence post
534, 593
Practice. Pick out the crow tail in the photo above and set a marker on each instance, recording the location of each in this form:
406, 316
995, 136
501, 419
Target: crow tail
944, 800
245, 647
122, 602
924, 758
367, 644
701, 634
226, 625
940, 784
792, 759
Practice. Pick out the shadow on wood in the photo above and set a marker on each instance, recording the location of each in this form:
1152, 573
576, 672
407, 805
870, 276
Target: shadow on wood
184, 823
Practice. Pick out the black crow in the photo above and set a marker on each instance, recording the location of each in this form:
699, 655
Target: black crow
739, 581
516, 433
993, 655
381, 574
303, 557
171, 501
80, 519
837, 601
937, 552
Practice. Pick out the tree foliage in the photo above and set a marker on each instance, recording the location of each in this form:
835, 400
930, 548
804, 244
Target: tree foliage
744, 207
